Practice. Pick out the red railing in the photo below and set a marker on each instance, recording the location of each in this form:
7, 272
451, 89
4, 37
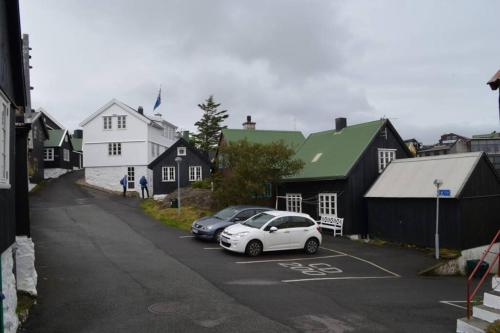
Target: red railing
470, 296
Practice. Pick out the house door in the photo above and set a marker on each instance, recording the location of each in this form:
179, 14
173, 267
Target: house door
131, 177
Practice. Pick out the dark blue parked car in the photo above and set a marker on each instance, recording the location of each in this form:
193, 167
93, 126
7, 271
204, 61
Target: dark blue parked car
210, 227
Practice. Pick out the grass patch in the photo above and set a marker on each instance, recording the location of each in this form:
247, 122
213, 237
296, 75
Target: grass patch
170, 217
24, 304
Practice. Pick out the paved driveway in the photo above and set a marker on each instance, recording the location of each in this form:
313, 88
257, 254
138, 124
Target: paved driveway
105, 267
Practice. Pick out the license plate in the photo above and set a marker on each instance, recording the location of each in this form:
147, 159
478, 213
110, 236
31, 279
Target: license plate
195, 231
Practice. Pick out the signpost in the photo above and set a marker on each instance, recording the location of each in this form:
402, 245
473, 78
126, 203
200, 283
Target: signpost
444, 193
437, 183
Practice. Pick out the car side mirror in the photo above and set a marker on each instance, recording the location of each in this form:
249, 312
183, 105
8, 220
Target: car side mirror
273, 229
236, 219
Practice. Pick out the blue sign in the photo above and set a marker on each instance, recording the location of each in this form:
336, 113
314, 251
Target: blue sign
444, 193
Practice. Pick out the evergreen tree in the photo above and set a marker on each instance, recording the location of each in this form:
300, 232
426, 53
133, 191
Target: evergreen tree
210, 125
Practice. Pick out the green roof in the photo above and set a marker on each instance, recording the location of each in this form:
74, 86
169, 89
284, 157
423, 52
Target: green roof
55, 137
77, 144
493, 135
332, 154
292, 138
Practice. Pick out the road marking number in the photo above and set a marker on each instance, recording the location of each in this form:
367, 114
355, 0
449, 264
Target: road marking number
317, 269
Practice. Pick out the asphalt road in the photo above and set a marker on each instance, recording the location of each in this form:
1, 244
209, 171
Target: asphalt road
106, 267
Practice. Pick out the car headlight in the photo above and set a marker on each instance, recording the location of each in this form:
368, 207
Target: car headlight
242, 234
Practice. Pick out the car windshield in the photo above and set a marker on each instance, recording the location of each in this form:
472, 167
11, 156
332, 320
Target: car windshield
258, 220
226, 213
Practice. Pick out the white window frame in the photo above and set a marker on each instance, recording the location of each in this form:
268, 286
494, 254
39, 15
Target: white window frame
66, 155
181, 151
121, 122
168, 174
114, 148
294, 202
385, 156
107, 124
131, 177
5, 141
327, 204
48, 154
195, 173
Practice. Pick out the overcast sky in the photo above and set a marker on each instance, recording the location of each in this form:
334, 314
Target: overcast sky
290, 64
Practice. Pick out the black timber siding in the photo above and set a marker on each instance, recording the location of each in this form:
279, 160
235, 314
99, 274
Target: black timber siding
468, 221
413, 221
193, 158
35, 154
76, 159
7, 202
21, 182
12, 84
351, 204
59, 161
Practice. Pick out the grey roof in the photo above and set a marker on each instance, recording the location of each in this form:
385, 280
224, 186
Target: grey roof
414, 177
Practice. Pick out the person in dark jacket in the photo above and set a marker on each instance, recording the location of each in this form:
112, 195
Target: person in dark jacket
123, 183
144, 186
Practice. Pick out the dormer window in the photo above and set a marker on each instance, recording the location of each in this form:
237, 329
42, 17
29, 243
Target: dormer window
122, 122
181, 151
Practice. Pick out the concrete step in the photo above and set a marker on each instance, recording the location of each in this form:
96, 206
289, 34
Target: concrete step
492, 299
495, 283
472, 325
486, 313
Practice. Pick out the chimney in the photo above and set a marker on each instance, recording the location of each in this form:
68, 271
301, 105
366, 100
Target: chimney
185, 135
140, 110
249, 125
78, 134
340, 124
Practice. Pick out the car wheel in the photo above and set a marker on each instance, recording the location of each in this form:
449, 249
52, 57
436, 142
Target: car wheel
311, 246
217, 236
254, 248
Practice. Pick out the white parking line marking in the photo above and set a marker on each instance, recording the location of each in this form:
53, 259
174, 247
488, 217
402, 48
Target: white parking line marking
341, 278
452, 303
186, 237
283, 260
364, 260
212, 248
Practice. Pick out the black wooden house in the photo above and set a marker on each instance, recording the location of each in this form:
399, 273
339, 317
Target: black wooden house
195, 166
402, 202
340, 166
37, 137
57, 151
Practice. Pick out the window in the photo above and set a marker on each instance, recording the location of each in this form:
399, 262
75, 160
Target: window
194, 173
244, 215
294, 202
169, 133
107, 123
4, 141
122, 122
66, 155
152, 149
280, 223
299, 222
168, 174
131, 177
65, 138
181, 151
48, 154
114, 148
327, 204
385, 156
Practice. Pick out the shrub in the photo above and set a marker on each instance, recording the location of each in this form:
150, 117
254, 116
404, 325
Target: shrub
205, 184
494, 327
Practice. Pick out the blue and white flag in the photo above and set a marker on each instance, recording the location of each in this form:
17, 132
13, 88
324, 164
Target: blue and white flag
158, 100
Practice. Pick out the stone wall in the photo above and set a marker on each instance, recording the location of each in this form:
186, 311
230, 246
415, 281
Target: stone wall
109, 177
10, 319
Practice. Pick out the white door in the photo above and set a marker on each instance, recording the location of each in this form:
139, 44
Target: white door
131, 177
279, 239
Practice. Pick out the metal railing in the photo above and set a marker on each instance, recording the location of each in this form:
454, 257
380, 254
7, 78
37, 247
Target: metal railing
470, 296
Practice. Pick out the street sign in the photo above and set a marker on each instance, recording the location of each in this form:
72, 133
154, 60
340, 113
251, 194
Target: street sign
444, 193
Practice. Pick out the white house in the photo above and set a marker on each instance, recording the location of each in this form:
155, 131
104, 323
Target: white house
120, 140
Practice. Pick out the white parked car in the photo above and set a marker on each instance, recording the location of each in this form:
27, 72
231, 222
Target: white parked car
273, 231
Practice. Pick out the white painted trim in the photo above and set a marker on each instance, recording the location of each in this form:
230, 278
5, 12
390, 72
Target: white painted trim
5, 186
122, 105
62, 138
102, 142
48, 160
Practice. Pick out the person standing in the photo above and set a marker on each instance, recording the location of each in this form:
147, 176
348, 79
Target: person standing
123, 183
144, 186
